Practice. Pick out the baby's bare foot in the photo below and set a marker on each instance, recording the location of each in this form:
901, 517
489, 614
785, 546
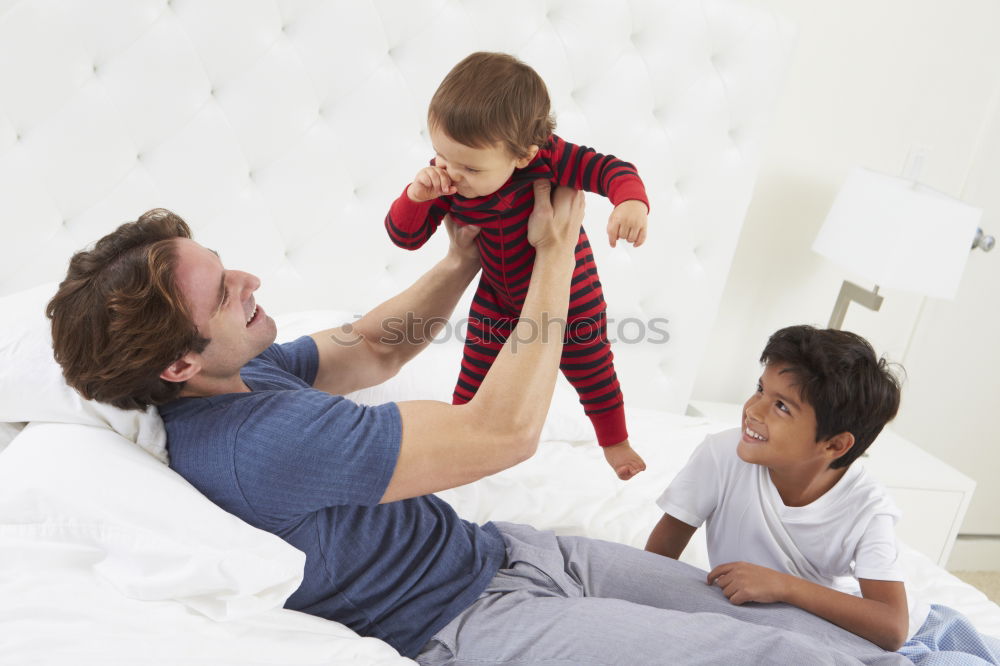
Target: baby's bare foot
626, 462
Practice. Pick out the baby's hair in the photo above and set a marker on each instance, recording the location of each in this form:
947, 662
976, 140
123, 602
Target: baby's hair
491, 98
849, 387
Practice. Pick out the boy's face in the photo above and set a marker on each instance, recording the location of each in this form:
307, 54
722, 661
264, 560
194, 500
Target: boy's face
475, 172
779, 427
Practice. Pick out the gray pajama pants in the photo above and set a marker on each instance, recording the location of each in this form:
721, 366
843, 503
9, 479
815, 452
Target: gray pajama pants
575, 601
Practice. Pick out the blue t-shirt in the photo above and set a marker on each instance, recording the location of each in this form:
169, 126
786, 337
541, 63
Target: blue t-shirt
311, 467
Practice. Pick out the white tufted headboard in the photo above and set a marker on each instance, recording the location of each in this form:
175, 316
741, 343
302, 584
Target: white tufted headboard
282, 130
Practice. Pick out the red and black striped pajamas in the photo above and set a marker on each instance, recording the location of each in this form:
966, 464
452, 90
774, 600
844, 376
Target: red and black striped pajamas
507, 259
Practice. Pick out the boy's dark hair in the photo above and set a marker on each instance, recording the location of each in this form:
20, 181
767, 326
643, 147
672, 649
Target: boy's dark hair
849, 388
491, 98
118, 319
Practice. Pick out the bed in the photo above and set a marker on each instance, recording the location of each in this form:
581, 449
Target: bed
281, 131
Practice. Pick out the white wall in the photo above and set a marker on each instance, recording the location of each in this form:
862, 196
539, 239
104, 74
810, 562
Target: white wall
952, 395
870, 81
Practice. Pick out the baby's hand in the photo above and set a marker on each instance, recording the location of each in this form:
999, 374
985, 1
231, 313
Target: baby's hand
628, 222
430, 183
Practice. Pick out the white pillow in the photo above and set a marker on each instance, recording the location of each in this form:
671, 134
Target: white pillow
136, 524
32, 386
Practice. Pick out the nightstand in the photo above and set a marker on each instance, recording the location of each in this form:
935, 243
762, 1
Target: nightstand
932, 495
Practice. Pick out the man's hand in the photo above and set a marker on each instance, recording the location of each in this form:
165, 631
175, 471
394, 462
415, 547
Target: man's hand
742, 582
462, 240
430, 183
628, 222
556, 218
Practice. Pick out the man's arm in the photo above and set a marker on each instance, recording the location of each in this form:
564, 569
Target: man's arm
372, 349
670, 537
881, 616
444, 446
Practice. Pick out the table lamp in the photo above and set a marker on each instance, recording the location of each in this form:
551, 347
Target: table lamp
898, 234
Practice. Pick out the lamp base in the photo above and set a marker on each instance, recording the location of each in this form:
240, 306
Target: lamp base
851, 292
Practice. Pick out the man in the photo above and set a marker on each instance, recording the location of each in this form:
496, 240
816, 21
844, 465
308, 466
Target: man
151, 317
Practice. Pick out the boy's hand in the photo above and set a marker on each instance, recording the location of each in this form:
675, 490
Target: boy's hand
742, 582
628, 222
430, 183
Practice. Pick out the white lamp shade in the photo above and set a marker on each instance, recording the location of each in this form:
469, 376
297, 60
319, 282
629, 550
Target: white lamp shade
899, 234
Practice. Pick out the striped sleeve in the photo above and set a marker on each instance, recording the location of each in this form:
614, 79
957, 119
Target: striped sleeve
584, 168
410, 224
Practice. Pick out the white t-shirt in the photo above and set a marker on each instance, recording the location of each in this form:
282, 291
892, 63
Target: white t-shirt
846, 534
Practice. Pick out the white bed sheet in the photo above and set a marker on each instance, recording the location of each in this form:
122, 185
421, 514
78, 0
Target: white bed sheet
109, 557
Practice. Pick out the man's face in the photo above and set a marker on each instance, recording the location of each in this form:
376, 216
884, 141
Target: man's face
223, 307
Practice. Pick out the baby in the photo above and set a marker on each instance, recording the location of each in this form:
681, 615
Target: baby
790, 519
491, 130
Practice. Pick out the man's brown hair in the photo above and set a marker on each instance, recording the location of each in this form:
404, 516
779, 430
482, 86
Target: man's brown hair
491, 98
118, 320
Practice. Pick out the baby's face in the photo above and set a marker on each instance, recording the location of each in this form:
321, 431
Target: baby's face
475, 172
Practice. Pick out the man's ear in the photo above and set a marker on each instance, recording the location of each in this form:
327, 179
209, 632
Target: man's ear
525, 161
182, 369
840, 444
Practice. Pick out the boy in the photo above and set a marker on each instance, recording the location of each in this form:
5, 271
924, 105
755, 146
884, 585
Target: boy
789, 519
787, 513
491, 129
